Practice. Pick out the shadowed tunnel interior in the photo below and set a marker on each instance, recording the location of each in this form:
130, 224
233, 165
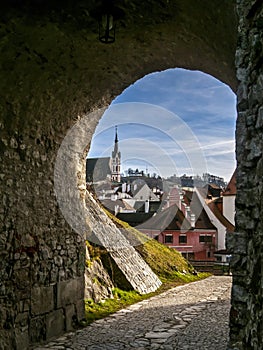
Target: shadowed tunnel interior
54, 71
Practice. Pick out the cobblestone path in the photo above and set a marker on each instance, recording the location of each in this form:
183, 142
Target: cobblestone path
188, 317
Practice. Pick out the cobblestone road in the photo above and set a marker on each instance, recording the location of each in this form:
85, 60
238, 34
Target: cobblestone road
189, 317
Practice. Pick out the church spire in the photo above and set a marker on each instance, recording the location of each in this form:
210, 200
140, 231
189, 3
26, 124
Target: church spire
116, 134
116, 148
116, 160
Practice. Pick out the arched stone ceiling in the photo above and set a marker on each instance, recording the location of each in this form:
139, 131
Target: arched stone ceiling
53, 69
54, 65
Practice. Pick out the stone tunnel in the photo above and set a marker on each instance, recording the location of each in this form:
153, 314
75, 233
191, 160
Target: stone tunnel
54, 71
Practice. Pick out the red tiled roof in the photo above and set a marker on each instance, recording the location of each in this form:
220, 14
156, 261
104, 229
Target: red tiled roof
214, 208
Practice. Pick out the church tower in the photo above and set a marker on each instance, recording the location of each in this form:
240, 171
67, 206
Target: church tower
116, 161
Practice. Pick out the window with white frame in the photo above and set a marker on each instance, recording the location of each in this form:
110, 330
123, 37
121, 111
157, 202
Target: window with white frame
182, 239
205, 239
168, 238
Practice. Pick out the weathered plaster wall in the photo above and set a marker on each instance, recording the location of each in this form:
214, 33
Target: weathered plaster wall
53, 69
246, 321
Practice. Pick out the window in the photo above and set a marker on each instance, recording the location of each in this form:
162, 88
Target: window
190, 256
182, 239
201, 239
205, 239
208, 239
168, 239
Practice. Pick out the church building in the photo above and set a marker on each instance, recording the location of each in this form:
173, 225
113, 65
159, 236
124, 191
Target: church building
115, 162
99, 169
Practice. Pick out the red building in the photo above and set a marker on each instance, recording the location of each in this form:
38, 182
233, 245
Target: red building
187, 229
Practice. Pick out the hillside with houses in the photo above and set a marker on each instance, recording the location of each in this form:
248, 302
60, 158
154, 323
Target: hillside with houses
191, 214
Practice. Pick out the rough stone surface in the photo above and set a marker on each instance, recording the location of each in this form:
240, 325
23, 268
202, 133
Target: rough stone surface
42, 300
69, 291
246, 317
70, 317
98, 284
55, 323
53, 71
138, 274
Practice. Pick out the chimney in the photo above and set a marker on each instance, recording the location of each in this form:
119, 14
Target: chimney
181, 198
117, 209
183, 208
123, 187
188, 212
192, 220
146, 206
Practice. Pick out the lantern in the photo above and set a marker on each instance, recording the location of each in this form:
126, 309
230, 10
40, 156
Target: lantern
107, 28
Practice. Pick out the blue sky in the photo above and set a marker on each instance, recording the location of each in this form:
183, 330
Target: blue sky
172, 122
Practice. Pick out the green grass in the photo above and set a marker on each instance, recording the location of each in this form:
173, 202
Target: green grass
167, 263
95, 311
122, 299
164, 261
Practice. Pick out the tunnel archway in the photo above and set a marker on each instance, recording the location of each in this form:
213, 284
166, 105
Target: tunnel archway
53, 71
148, 139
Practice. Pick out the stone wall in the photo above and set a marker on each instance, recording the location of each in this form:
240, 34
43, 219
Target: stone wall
98, 284
246, 319
53, 71
42, 267
106, 234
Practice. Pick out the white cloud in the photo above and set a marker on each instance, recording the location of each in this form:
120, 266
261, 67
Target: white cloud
192, 125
